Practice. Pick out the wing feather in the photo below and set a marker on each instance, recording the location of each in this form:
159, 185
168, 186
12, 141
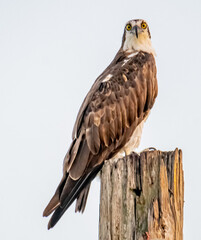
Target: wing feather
104, 133
93, 139
119, 121
106, 120
125, 123
80, 163
82, 199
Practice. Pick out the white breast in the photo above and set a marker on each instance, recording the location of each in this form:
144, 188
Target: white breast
132, 144
134, 141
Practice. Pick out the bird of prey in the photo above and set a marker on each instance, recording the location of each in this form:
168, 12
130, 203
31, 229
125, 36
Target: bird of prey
110, 119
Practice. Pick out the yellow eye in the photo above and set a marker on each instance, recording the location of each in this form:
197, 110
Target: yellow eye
128, 27
143, 25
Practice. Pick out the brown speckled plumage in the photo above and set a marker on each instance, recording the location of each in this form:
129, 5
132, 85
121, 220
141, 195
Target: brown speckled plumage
106, 120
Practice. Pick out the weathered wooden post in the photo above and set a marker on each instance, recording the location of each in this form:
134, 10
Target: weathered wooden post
142, 197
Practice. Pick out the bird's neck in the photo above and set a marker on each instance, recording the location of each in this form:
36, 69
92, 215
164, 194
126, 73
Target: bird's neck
139, 44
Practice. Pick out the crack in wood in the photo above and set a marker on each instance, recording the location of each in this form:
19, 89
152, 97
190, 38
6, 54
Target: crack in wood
142, 194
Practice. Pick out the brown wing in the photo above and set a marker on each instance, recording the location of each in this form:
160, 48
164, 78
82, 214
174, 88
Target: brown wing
109, 115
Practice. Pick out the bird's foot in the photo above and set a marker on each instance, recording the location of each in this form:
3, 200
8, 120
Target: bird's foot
150, 149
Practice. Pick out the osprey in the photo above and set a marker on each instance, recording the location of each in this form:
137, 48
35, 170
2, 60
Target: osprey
110, 119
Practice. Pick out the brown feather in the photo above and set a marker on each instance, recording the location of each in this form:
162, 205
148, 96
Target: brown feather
93, 139
125, 123
104, 133
71, 191
72, 153
107, 118
112, 130
82, 199
67, 190
55, 200
119, 120
78, 167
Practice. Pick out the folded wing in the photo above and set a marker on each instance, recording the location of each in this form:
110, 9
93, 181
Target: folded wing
107, 118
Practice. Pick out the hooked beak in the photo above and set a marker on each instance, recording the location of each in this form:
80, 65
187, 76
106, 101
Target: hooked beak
135, 31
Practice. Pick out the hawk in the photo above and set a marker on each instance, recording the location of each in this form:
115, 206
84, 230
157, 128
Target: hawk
110, 120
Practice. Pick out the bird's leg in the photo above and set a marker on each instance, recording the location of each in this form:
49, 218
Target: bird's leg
126, 152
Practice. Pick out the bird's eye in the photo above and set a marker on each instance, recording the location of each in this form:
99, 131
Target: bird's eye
143, 25
128, 27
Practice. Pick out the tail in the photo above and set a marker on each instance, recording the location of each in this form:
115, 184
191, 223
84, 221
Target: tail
82, 199
67, 191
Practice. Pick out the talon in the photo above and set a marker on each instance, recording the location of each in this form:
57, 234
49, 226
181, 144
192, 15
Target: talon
149, 149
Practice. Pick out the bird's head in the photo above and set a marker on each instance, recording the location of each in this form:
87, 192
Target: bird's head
137, 37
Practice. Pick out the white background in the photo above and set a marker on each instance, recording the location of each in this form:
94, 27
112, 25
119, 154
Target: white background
50, 54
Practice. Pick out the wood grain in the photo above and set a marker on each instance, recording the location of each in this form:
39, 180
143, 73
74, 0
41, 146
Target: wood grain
142, 197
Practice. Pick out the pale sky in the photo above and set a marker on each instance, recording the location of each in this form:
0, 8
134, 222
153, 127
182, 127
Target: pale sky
51, 52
